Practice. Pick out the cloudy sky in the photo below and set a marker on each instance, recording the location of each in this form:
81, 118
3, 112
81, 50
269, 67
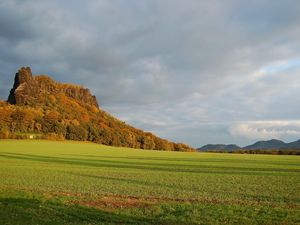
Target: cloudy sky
192, 71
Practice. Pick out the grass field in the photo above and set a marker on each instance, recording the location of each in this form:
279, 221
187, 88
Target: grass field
46, 182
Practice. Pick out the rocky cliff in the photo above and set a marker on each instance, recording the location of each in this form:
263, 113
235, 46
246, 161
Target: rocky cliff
28, 89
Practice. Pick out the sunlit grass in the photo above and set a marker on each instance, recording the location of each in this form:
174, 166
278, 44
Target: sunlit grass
165, 187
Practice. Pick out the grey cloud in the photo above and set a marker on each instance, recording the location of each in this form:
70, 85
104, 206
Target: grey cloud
171, 67
16, 26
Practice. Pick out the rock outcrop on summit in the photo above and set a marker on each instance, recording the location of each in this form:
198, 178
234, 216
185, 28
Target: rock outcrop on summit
28, 89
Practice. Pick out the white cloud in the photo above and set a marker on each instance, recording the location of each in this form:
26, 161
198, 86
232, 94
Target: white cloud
266, 129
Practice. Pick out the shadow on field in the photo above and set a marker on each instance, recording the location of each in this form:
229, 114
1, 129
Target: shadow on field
23, 211
194, 160
32, 211
152, 166
130, 181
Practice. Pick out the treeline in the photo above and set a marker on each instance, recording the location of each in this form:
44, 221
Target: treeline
267, 152
59, 117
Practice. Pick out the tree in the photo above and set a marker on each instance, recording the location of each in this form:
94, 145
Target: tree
5, 118
76, 133
4, 134
18, 117
93, 133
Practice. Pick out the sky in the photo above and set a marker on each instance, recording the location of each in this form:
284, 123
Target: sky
191, 71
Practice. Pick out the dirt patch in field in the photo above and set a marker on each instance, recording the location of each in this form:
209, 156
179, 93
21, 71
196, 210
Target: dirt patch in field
114, 202
120, 201
137, 202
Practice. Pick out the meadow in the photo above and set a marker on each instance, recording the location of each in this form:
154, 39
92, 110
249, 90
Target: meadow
44, 182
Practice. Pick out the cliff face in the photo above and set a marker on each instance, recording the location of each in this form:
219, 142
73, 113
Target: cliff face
22, 87
28, 89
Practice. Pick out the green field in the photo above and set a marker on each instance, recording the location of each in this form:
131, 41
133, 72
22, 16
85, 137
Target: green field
45, 182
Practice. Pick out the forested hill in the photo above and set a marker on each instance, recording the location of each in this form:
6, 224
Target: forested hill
39, 107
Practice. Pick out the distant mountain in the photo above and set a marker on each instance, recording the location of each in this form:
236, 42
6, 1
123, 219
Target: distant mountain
264, 145
40, 107
219, 147
294, 145
260, 145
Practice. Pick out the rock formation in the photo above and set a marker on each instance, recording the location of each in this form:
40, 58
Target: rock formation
28, 89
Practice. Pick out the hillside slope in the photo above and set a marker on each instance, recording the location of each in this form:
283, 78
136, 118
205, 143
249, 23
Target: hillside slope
293, 145
52, 110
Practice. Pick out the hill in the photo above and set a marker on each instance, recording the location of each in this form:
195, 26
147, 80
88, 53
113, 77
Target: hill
260, 145
219, 147
293, 145
40, 107
263, 145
